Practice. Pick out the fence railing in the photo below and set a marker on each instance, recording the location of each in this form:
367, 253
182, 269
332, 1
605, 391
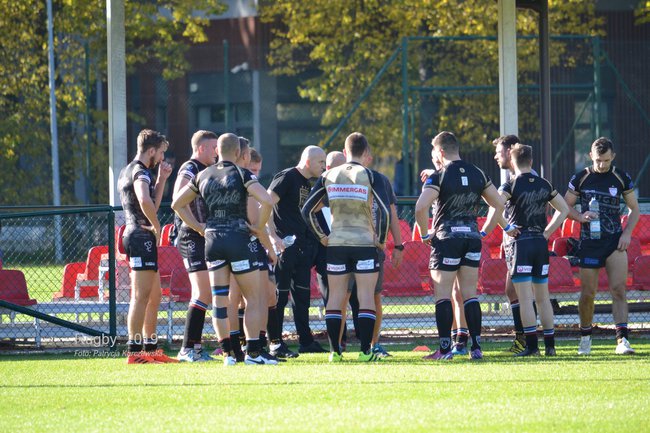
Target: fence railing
80, 297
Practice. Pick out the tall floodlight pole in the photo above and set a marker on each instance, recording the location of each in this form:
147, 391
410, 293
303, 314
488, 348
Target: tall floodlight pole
116, 95
508, 108
56, 182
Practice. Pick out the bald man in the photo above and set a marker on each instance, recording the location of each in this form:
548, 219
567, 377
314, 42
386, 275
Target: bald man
334, 159
289, 190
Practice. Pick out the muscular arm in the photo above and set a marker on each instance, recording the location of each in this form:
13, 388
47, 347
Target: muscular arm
164, 170
181, 205
308, 211
633, 218
422, 206
396, 257
271, 223
561, 211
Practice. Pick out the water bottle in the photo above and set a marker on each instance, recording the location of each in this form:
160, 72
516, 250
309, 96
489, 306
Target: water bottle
288, 240
594, 225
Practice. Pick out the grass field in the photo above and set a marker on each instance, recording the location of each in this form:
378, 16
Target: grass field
601, 393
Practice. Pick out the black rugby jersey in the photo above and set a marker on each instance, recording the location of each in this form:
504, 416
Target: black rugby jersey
136, 170
188, 171
527, 196
460, 185
293, 189
607, 188
224, 187
385, 191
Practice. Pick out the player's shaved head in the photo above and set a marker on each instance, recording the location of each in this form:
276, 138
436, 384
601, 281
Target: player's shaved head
309, 153
228, 144
334, 159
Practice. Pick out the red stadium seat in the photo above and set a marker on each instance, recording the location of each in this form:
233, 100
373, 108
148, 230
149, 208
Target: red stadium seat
560, 276
119, 241
492, 277
570, 228
164, 235
13, 288
641, 273
70, 272
169, 260
633, 251
87, 283
412, 277
641, 230
180, 288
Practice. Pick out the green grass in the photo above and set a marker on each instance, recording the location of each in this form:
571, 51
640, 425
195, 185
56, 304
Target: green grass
601, 393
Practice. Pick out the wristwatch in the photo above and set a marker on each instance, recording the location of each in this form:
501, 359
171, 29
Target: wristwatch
399, 247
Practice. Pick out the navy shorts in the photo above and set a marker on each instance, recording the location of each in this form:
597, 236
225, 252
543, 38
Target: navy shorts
229, 247
141, 249
344, 260
527, 258
450, 254
191, 245
593, 253
262, 260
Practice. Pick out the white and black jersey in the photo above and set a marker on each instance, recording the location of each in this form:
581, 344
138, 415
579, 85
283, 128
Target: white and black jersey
133, 172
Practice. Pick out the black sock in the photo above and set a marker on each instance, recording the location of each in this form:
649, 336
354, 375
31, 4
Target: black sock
474, 318
253, 347
150, 344
194, 324
621, 331
516, 316
367, 320
263, 340
226, 346
272, 328
531, 338
333, 319
235, 342
444, 320
549, 338
242, 337
585, 331
133, 347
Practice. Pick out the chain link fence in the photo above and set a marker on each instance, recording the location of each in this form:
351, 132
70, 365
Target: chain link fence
60, 268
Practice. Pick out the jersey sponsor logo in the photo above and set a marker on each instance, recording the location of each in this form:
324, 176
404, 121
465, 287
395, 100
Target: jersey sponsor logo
364, 265
216, 263
148, 245
252, 246
335, 268
460, 229
463, 180
191, 246
591, 261
613, 191
241, 265
150, 263
347, 192
545, 270
135, 262
473, 256
524, 269
450, 261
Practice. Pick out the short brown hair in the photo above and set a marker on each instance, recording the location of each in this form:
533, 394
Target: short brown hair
255, 156
446, 141
227, 143
506, 141
602, 145
201, 135
356, 144
148, 138
243, 143
522, 154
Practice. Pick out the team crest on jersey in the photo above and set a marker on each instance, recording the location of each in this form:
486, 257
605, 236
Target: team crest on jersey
531, 180
462, 170
191, 246
613, 191
148, 245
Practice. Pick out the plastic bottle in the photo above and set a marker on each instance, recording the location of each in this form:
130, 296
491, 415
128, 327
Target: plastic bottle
288, 240
594, 225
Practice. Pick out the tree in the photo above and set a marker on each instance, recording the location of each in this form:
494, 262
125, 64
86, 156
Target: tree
159, 31
349, 41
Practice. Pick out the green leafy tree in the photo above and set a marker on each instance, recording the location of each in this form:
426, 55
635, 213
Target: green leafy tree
349, 41
157, 32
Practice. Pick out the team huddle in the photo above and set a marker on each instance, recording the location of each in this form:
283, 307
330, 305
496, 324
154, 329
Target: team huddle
247, 248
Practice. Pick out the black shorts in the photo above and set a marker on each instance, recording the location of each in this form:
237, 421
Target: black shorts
450, 254
593, 253
381, 256
262, 260
527, 258
191, 245
141, 249
229, 247
344, 260
294, 265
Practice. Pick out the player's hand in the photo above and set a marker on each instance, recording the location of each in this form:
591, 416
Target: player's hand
424, 174
273, 258
164, 171
396, 258
624, 242
155, 229
513, 231
201, 230
589, 216
277, 243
